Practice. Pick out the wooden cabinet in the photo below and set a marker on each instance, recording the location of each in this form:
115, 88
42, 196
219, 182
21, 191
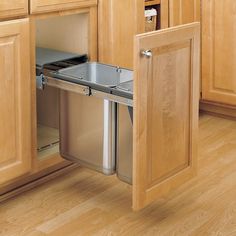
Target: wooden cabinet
183, 11
40, 6
15, 90
72, 30
218, 51
13, 8
166, 87
118, 22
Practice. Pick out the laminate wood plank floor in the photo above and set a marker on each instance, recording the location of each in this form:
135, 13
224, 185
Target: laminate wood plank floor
87, 203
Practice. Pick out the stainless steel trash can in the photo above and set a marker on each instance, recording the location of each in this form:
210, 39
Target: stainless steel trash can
87, 131
124, 150
124, 134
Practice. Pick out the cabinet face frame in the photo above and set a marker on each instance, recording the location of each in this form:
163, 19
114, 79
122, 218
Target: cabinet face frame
51, 160
44, 6
15, 100
165, 111
13, 8
183, 11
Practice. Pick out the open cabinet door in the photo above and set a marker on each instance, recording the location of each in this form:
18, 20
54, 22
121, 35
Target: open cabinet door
166, 96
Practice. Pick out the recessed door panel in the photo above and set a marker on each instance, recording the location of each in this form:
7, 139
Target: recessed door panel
15, 121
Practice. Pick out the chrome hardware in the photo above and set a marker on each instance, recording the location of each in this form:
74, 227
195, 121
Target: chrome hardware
112, 97
146, 53
118, 69
40, 82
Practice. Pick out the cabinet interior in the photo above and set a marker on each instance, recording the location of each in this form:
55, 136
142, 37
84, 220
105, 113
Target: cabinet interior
68, 33
153, 23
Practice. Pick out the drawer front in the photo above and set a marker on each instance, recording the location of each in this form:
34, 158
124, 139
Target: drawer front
13, 8
40, 6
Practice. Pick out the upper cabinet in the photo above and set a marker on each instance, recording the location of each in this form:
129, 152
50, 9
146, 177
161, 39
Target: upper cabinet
183, 11
218, 51
13, 8
15, 100
41, 6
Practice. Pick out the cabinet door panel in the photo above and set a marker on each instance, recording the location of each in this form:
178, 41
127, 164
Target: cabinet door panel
218, 51
15, 122
165, 111
40, 6
13, 8
183, 11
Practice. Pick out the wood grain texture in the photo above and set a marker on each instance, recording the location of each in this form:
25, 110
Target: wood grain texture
43, 6
118, 22
13, 8
164, 14
15, 121
217, 109
152, 2
165, 111
218, 51
88, 203
183, 11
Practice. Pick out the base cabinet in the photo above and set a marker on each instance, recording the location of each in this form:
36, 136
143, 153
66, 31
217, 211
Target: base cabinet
166, 88
15, 102
218, 51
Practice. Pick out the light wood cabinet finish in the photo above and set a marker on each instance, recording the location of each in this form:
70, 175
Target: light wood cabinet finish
12, 8
15, 122
218, 51
118, 22
183, 11
42, 6
166, 93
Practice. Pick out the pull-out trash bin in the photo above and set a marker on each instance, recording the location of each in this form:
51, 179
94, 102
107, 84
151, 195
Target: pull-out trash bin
88, 123
94, 128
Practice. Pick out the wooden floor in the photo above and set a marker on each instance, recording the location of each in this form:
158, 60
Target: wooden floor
87, 203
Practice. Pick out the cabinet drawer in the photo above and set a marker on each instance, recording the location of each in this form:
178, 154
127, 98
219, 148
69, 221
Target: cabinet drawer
13, 8
40, 6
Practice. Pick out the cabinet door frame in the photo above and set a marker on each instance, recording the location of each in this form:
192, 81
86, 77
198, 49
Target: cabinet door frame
14, 36
145, 188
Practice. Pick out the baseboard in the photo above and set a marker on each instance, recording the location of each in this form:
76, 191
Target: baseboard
217, 109
34, 183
